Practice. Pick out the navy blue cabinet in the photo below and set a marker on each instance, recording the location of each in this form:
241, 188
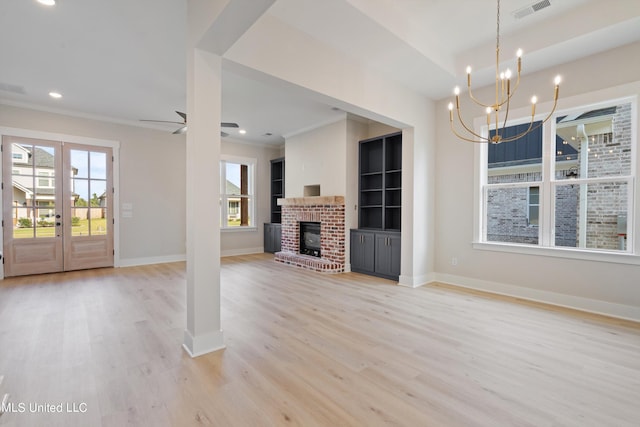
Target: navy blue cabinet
376, 253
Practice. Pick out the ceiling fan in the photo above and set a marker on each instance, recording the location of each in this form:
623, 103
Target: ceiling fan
183, 129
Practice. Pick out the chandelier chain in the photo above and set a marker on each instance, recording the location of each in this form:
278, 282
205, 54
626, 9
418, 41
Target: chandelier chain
498, 27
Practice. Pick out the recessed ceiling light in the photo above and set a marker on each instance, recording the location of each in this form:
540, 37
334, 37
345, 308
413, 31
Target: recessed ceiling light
55, 95
47, 2
242, 131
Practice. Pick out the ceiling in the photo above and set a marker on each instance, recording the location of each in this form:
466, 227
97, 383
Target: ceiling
124, 60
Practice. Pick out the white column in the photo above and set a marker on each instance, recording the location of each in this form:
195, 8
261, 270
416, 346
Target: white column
203, 333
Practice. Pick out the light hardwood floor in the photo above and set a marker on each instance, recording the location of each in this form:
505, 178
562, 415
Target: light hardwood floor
307, 349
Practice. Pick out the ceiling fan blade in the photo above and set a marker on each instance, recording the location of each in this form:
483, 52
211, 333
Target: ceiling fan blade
183, 115
182, 130
229, 125
162, 121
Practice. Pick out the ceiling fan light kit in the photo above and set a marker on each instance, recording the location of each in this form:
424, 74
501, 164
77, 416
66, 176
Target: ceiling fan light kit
497, 113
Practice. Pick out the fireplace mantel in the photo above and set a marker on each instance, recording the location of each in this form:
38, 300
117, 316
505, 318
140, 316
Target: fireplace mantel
312, 201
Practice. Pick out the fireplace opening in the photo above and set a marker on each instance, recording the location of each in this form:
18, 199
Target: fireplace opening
310, 238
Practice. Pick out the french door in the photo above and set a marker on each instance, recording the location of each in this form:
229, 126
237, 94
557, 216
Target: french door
58, 206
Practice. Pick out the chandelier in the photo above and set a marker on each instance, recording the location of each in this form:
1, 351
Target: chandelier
498, 113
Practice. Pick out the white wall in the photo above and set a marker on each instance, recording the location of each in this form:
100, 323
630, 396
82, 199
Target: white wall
597, 286
317, 157
251, 241
152, 179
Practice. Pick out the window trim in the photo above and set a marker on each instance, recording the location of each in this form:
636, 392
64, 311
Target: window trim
593, 100
252, 163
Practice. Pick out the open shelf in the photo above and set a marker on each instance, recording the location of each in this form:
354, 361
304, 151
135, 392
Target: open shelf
277, 189
380, 182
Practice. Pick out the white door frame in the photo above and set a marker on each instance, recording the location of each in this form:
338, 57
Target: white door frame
52, 136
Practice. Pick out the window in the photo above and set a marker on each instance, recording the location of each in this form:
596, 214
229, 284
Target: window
43, 180
581, 198
237, 200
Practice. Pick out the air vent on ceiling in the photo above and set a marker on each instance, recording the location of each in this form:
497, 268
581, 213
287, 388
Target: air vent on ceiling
12, 88
528, 10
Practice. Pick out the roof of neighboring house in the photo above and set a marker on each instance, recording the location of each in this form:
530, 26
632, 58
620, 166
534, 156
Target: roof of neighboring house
232, 188
42, 158
589, 114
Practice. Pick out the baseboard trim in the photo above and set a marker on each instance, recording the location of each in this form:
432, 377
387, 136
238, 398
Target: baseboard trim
203, 344
619, 311
416, 281
244, 251
132, 262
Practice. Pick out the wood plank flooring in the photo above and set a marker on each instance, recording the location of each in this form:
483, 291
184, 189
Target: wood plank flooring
307, 349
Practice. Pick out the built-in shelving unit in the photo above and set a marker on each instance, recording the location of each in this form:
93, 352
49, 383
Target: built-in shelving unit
277, 189
381, 183
273, 230
375, 245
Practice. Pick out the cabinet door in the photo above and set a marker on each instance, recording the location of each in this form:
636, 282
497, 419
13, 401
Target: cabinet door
387, 255
362, 252
272, 238
268, 238
276, 231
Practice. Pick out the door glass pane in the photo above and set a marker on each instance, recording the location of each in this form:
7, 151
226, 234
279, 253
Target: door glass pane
44, 160
89, 189
80, 221
80, 192
592, 216
98, 162
99, 221
34, 190
79, 163
46, 222
23, 224
23, 185
97, 188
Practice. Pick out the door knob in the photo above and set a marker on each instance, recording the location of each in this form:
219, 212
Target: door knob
58, 216
58, 224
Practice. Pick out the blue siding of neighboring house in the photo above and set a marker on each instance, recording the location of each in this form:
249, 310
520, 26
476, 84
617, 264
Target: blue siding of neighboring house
525, 150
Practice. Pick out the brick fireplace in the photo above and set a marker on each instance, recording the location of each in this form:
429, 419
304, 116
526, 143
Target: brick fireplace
329, 212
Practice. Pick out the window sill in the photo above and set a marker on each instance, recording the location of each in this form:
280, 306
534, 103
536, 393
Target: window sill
570, 253
238, 229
